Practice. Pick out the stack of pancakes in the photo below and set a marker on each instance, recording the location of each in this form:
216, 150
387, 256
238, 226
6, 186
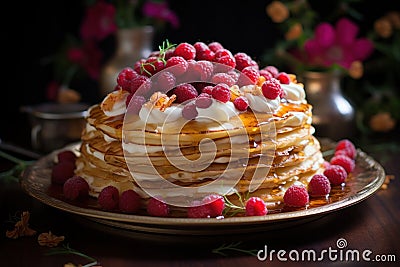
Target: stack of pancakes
253, 154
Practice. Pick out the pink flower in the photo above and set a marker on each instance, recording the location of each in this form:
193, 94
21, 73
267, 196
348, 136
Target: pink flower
161, 11
99, 21
337, 45
88, 56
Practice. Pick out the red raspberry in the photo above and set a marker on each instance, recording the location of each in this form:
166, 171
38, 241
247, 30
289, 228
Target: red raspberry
165, 81
296, 196
204, 69
344, 161
151, 66
203, 52
271, 89
210, 207
241, 103
129, 201
223, 78
141, 83
200, 47
108, 198
137, 67
203, 100
347, 148
178, 65
319, 185
266, 74
66, 155
208, 89
157, 208
215, 46
185, 50
134, 103
189, 111
255, 206
248, 76
273, 70
62, 171
283, 78
243, 60
125, 77
336, 174
185, 92
75, 187
225, 57
221, 92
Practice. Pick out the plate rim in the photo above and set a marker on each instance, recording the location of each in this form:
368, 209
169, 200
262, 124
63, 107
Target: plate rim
36, 191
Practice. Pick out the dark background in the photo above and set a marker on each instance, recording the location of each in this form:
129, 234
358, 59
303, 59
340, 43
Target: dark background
33, 30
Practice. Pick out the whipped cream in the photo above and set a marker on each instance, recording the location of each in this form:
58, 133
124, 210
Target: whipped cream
150, 114
260, 103
294, 92
217, 111
114, 103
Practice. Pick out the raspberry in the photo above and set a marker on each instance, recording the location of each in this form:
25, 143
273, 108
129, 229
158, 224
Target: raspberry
157, 208
243, 60
134, 103
248, 76
273, 70
129, 201
189, 111
255, 206
137, 67
271, 89
141, 83
336, 174
241, 103
62, 171
200, 47
215, 46
208, 89
185, 50
347, 148
75, 187
225, 57
165, 81
204, 69
266, 74
296, 196
319, 185
185, 92
66, 155
283, 78
178, 65
344, 161
203, 100
151, 66
125, 77
210, 207
221, 92
223, 78
108, 198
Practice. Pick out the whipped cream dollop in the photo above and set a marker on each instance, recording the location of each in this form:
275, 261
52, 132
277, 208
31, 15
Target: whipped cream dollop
258, 102
151, 114
294, 92
114, 103
217, 111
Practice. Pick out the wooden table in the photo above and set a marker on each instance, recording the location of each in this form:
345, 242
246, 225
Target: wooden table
373, 224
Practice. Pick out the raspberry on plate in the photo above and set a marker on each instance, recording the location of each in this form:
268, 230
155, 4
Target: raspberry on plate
75, 187
319, 185
336, 174
66, 155
210, 207
108, 198
344, 161
346, 147
62, 171
157, 208
296, 196
129, 201
255, 206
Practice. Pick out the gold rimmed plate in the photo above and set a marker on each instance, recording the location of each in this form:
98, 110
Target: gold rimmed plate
366, 179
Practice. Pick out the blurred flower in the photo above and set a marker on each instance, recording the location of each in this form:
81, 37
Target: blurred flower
356, 69
382, 122
294, 32
383, 27
277, 11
